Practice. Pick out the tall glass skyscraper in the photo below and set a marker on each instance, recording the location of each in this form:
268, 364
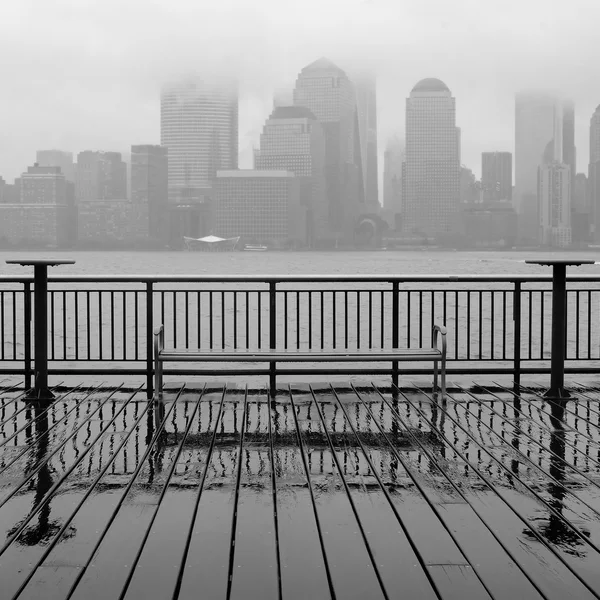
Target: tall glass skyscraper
366, 105
431, 191
328, 93
199, 127
293, 140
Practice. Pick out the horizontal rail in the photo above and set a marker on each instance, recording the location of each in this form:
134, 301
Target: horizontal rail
144, 278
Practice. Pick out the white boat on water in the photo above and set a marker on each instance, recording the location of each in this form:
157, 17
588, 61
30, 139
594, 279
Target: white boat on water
211, 243
255, 248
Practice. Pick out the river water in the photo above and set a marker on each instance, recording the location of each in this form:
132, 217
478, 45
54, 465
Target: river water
295, 263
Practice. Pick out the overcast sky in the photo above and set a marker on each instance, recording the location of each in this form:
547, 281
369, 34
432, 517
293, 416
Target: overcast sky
86, 74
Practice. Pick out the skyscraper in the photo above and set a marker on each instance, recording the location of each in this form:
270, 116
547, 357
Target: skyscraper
199, 127
100, 176
149, 171
594, 175
366, 105
293, 140
393, 159
496, 176
544, 132
430, 194
57, 158
328, 93
554, 193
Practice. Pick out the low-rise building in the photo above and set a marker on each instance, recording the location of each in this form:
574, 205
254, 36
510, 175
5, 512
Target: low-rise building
33, 225
260, 206
112, 223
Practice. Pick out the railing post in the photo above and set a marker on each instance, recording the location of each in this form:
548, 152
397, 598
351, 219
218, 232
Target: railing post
517, 332
149, 339
27, 333
272, 335
395, 327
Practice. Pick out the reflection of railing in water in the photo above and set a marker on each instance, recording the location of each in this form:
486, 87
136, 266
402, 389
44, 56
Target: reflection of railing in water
109, 319
583, 452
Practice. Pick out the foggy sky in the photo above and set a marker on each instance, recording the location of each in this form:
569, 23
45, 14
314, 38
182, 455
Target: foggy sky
85, 74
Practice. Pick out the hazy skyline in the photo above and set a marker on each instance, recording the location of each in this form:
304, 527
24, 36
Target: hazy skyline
83, 75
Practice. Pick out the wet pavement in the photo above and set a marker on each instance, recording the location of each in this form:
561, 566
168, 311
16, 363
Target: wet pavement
332, 491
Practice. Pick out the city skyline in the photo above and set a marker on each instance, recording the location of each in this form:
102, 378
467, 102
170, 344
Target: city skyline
99, 90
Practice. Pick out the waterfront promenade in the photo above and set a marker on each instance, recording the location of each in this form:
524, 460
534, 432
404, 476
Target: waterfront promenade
345, 491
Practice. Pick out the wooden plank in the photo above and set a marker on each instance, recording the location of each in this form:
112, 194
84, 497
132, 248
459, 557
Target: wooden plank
255, 572
353, 574
157, 570
207, 561
303, 573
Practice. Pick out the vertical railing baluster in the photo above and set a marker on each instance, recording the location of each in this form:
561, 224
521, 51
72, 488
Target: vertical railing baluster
297, 320
76, 309
199, 318
100, 340
235, 319
136, 331
52, 332
468, 324
64, 324
456, 327
112, 325
27, 333
517, 332
88, 325
272, 335
334, 317
174, 295
370, 319
480, 316
395, 326
358, 319
420, 318
492, 322
346, 319
530, 325
542, 295
14, 324
504, 325
150, 338
247, 320
589, 325
577, 324
187, 319
382, 321
124, 296
310, 320
322, 294
223, 319
432, 313
259, 319
210, 319
2, 327
407, 319
285, 319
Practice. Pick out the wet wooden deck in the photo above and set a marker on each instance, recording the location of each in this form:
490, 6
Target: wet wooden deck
341, 492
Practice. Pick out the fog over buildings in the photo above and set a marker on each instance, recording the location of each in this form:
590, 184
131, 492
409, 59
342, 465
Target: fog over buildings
84, 75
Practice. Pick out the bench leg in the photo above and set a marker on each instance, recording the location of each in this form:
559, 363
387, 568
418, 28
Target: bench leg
435, 376
444, 378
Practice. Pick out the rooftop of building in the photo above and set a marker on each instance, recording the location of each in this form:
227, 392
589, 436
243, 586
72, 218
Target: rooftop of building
430, 84
291, 112
323, 64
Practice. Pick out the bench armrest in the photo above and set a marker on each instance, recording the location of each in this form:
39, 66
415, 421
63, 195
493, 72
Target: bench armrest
439, 330
159, 340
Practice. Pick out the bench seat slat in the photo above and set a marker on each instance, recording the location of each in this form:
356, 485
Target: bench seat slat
267, 355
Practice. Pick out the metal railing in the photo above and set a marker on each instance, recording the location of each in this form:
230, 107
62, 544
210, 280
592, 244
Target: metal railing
103, 324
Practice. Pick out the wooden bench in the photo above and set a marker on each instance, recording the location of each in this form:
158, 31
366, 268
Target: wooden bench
394, 355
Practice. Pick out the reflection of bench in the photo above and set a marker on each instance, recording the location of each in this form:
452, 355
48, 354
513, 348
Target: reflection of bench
274, 356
